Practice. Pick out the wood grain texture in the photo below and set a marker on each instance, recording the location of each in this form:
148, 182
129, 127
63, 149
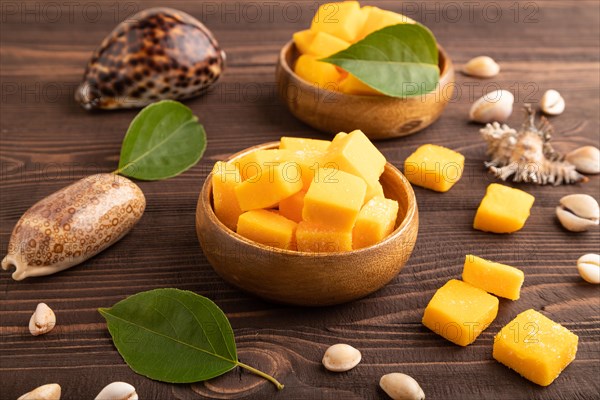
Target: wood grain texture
47, 141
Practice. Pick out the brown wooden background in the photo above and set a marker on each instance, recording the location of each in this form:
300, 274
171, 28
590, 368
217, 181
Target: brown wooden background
48, 141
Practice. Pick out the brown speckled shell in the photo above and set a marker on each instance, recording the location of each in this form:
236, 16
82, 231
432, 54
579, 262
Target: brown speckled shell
159, 53
73, 224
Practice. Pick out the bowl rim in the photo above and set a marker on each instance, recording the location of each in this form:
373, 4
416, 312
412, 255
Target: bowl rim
206, 195
445, 71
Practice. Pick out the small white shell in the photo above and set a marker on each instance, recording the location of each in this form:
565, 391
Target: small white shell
481, 67
42, 321
401, 387
495, 106
588, 266
50, 391
586, 159
583, 205
341, 357
117, 391
552, 103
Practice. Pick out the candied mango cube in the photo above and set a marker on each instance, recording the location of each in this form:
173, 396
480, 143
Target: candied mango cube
261, 161
291, 208
318, 238
342, 19
224, 179
302, 144
304, 163
375, 222
266, 190
378, 19
503, 209
536, 347
459, 312
334, 199
352, 85
354, 153
319, 73
318, 44
495, 278
268, 228
434, 167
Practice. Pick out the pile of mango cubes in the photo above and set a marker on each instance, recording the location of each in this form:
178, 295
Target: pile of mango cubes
307, 195
531, 344
335, 27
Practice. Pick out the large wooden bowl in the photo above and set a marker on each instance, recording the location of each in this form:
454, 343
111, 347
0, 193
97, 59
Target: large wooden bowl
379, 117
308, 279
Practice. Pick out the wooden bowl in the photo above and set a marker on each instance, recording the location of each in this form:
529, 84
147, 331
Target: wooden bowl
308, 279
379, 117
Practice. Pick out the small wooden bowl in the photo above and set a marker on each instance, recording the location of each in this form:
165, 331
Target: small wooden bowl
379, 117
308, 279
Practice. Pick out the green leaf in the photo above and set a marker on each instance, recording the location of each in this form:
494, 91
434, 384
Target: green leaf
163, 140
175, 336
399, 60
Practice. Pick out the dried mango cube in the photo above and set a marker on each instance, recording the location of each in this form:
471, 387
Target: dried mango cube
261, 161
495, 278
459, 312
224, 179
334, 199
434, 167
536, 347
318, 238
319, 73
291, 208
503, 209
352, 85
266, 190
378, 19
318, 44
375, 222
268, 228
343, 19
303, 144
354, 153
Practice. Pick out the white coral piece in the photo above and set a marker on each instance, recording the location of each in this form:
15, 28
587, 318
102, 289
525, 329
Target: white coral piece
527, 155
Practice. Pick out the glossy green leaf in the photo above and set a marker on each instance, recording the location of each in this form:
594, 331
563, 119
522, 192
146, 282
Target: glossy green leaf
399, 60
174, 336
163, 140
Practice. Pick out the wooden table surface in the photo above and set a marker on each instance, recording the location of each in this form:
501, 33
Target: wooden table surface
48, 141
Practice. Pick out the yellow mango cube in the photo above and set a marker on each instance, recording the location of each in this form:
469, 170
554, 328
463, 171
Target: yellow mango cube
375, 222
334, 199
268, 228
318, 238
354, 153
503, 209
378, 19
352, 85
304, 163
319, 73
261, 161
342, 19
318, 44
495, 278
224, 179
266, 190
291, 208
434, 167
459, 312
536, 347
303, 144
303, 39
